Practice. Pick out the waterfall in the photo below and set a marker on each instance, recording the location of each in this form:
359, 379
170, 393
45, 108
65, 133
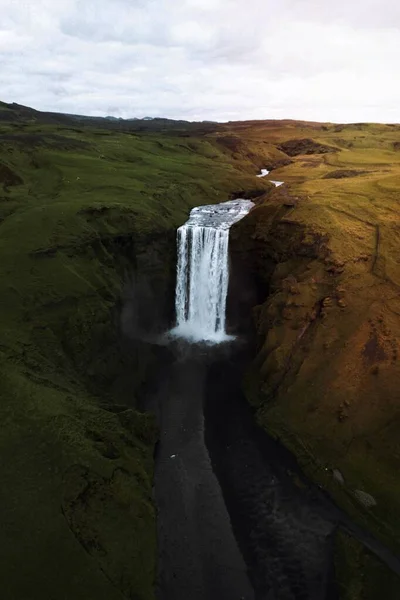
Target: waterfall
203, 271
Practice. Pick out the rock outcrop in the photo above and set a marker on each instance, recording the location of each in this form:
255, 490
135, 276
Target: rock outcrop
296, 147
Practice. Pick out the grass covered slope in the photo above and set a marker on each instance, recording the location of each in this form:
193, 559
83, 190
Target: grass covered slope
326, 379
81, 207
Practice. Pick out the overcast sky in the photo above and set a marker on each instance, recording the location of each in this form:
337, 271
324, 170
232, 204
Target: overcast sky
320, 60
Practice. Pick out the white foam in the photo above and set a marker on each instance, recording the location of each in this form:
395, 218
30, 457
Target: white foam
196, 334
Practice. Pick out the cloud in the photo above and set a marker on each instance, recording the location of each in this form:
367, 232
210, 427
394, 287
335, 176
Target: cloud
204, 59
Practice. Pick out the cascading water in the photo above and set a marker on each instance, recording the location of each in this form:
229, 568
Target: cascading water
202, 271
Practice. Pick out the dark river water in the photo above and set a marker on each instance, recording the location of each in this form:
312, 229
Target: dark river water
232, 524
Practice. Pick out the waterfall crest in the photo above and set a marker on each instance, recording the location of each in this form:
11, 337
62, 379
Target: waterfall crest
203, 271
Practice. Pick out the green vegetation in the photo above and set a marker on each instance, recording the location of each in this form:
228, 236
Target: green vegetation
83, 206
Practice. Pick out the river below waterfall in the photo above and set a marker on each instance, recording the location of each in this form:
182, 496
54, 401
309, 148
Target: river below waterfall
232, 524
198, 555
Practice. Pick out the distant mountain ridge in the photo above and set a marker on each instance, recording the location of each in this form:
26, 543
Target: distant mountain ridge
19, 114
21, 110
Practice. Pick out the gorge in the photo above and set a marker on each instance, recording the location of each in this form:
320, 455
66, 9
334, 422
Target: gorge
258, 440
212, 459
233, 521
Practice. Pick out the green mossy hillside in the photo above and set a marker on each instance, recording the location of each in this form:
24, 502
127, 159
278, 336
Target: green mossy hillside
87, 231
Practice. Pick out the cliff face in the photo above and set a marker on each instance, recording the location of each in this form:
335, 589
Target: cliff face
324, 250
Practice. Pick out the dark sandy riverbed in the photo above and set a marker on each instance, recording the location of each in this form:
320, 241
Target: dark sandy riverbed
198, 554
284, 531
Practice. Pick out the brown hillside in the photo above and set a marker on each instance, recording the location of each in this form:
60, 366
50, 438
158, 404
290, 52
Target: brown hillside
326, 380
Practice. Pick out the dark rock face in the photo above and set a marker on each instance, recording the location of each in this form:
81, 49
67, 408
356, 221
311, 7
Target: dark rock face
304, 146
279, 163
116, 357
343, 173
